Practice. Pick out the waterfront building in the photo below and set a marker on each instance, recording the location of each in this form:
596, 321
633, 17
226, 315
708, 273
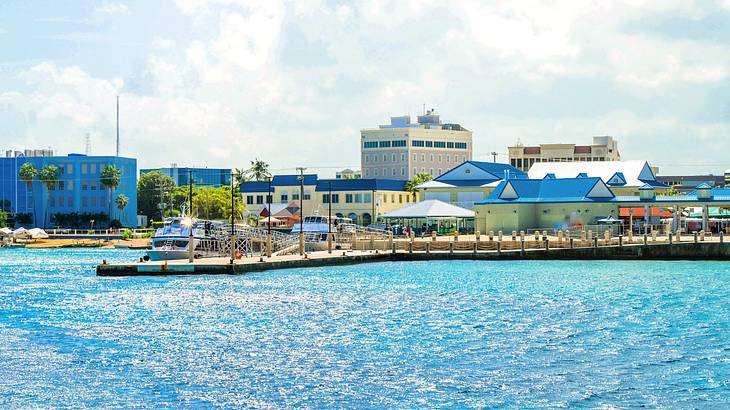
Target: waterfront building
688, 183
603, 148
402, 149
348, 174
362, 200
623, 177
201, 177
468, 182
78, 189
579, 203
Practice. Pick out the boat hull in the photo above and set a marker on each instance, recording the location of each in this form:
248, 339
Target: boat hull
162, 255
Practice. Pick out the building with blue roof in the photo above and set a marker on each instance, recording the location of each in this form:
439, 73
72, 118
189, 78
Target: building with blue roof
362, 200
572, 203
468, 182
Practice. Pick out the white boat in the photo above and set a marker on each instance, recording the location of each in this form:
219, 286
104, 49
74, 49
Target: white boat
172, 240
317, 227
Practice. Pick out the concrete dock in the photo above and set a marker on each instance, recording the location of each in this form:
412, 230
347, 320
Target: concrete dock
706, 250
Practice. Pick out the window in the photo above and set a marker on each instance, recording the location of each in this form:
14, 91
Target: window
284, 197
367, 158
84, 200
402, 171
61, 185
52, 187
93, 185
415, 157
439, 144
417, 143
60, 202
92, 201
367, 198
84, 169
269, 199
259, 199
403, 157
358, 198
385, 198
52, 202
384, 144
70, 201
385, 172
423, 170
448, 158
307, 195
423, 157
295, 196
367, 172
460, 145
440, 158
385, 157
392, 198
430, 171
84, 186
61, 169
449, 145
392, 157
439, 171
249, 200
394, 172
429, 144
370, 144
335, 198
400, 198
70, 168
415, 171
70, 185
92, 168
431, 158
399, 143
102, 200
348, 198
325, 198
376, 172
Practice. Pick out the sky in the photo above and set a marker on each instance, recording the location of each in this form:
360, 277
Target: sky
219, 83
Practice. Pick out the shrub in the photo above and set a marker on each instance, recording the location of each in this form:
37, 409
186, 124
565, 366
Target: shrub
116, 223
127, 234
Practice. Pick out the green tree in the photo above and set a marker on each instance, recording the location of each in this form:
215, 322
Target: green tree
258, 171
122, 201
109, 178
3, 219
239, 176
417, 180
28, 173
215, 203
48, 175
152, 189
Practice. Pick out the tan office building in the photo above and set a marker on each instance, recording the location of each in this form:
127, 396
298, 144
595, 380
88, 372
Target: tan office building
603, 149
401, 149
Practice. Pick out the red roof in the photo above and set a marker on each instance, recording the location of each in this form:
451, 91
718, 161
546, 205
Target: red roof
582, 149
532, 150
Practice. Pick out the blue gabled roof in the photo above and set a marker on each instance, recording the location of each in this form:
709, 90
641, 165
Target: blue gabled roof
499, 169
548, 190
646, 187
654, 183
255, 186
620, 176
367, 184
703, 185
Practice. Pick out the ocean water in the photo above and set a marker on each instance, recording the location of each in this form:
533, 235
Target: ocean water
455, 334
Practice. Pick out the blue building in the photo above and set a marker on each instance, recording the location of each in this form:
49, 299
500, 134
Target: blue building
207, 177
78, 189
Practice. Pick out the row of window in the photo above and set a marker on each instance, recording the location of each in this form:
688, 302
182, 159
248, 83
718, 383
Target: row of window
394, 157
438, 144
384, 144
526, 163
61, 201
394, 172
267, 199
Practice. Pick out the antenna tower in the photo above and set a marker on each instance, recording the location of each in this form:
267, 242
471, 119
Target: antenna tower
87, 144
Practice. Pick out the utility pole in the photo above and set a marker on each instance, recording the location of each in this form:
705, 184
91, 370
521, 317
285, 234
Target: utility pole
233, 206
190, 193
494, 156
329, 219
301, 209
268, 205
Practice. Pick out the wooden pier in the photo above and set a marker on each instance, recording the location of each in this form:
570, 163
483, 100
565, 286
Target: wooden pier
687, 248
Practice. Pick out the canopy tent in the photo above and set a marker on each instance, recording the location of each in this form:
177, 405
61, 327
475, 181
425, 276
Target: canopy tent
37, 233
609, 220
432, 208
269, 220
6, 232
21, 233
434, 215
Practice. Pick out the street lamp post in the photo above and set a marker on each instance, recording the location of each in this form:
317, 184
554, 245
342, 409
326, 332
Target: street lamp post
301, 209
329, 219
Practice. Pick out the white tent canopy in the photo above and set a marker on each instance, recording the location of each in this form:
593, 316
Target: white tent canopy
37, 233
6, 232
21, 233
432, 208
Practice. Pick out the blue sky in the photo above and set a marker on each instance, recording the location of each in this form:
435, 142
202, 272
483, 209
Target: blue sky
220, 82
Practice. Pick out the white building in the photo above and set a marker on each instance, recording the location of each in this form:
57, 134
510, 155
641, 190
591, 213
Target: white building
402, 149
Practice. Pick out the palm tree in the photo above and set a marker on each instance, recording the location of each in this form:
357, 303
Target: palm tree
28, 173
122, 201
259, 170
109, 178
48, 175
417, 180
239, 176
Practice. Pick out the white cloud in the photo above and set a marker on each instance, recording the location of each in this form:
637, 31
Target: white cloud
113, 9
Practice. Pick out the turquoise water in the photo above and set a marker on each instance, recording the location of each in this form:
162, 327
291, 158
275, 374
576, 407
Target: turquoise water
404, 335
